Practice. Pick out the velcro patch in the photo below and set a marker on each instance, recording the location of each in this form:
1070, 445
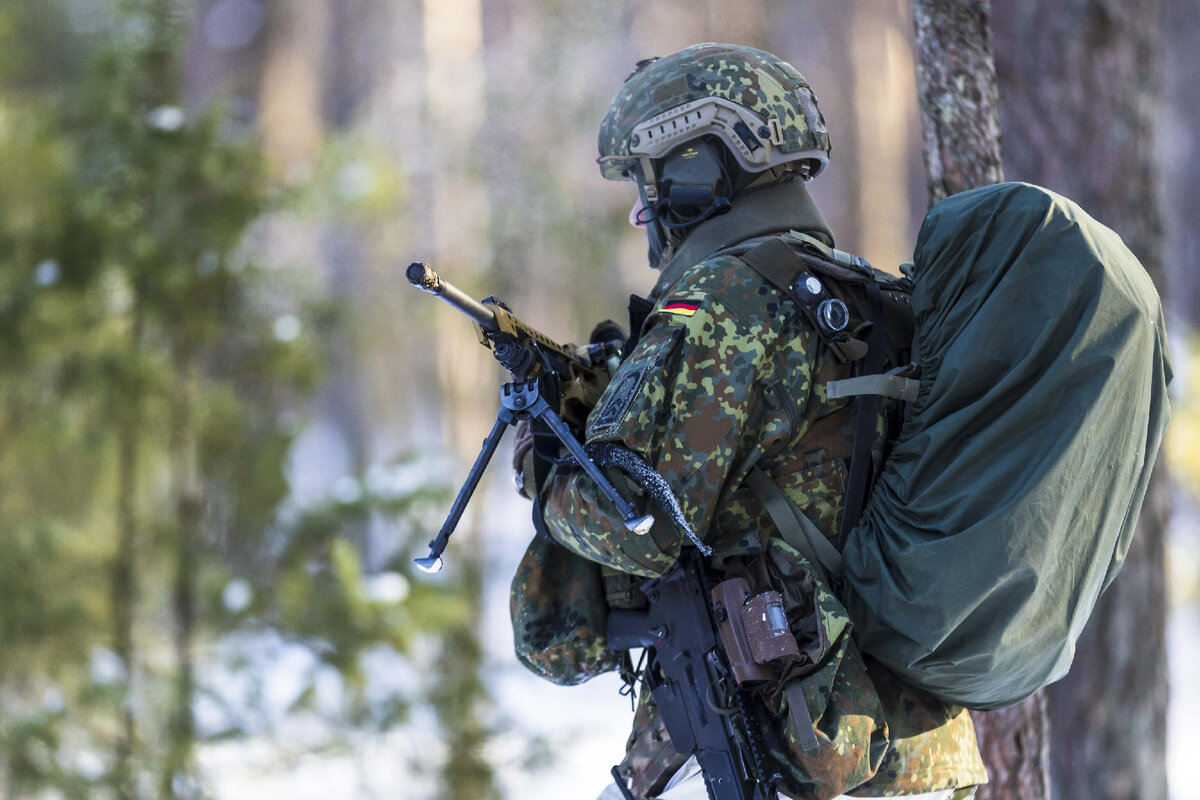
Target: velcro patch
617, 403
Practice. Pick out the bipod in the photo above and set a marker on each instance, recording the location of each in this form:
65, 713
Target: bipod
517, 399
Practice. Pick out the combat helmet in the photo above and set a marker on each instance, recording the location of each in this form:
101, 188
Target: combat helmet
757, 105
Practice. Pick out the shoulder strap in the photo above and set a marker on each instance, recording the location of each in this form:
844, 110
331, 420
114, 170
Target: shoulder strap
840, 257
780, 265
864, 423
793, 526
784, 269
790, 272
776, 262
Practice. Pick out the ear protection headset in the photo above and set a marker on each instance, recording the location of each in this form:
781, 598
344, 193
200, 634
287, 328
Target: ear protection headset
694, 185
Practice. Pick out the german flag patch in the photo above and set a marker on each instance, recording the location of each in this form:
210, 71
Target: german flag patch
685, 308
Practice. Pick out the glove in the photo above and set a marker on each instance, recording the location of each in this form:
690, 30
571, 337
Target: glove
522, 460
608, 331
612, 338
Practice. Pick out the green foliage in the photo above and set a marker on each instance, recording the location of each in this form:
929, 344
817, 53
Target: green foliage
152, 380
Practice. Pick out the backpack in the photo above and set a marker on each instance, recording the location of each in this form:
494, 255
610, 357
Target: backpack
1037, 401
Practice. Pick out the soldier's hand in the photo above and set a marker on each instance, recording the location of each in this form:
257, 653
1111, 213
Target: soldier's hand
523, 457
610, 334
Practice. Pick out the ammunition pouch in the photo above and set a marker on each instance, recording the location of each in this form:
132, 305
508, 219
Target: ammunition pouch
823, 691
825, 729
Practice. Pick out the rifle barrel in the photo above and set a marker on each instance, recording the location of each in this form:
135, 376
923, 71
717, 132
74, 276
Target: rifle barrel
424, 277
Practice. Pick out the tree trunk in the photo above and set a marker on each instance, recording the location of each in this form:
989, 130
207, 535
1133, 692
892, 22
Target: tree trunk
124, 596
884, 100
960, 115
456, 85
1178, 147
956, 84
124, 575
1082, 80
1015, 746
174, 780
289, 96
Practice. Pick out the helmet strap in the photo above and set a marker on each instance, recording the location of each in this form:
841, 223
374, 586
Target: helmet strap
647, 182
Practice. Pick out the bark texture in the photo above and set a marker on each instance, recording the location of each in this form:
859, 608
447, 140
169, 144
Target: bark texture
1081, 81
1179, 146
1015, 746
956, 85
959, 100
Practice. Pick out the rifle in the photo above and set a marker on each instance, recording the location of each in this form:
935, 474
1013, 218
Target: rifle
697, 679
550, 381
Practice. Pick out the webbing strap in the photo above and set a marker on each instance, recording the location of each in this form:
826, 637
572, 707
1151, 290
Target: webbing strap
801, 717
886, 385
780, 266
864, 423
831, 253
797, 529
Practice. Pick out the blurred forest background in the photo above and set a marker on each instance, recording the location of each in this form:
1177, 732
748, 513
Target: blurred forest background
227, 423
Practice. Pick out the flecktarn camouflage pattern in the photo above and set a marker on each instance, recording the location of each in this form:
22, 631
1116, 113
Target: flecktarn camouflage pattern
559, 613
727, 376
760, 106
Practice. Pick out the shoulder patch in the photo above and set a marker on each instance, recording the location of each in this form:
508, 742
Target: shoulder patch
618, 402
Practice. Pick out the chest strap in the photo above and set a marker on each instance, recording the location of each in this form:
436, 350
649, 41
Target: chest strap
888, 384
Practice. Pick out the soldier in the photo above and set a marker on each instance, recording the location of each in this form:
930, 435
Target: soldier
722, 393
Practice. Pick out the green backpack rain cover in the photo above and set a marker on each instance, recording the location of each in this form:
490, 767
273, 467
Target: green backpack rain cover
1010, 496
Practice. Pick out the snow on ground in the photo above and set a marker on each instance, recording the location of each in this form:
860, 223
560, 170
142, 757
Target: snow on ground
584, 726
1183, 733
587, 725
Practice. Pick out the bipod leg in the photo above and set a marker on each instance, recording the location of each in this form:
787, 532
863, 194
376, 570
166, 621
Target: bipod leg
528, 397
433, 561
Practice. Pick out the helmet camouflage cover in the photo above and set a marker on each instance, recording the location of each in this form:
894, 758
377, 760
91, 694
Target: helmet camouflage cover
758, 105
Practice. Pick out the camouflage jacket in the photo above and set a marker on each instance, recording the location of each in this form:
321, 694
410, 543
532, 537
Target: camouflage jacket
727, 376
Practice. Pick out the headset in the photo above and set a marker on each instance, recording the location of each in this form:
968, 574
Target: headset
694, 185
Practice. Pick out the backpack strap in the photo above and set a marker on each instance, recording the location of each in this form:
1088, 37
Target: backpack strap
791, 273
784, 269
864, 423
888, 384
797, 529
840, 257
